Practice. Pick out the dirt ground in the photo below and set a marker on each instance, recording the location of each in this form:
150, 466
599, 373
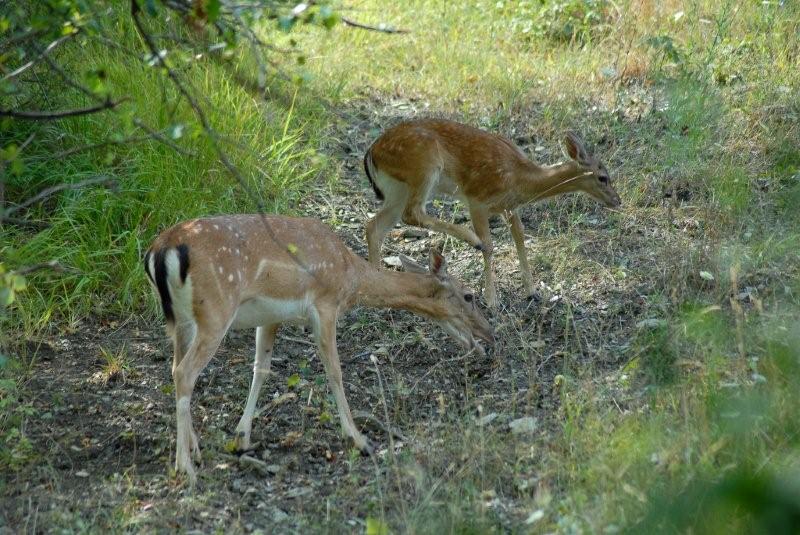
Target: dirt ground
105, 442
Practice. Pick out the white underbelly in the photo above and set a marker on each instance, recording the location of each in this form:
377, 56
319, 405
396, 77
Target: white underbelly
267, 311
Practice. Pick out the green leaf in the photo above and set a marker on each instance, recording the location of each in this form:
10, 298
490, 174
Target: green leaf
328, 16
6, 297
293, 380
18, 283
213, 9
17, 167
376, 526
150, 6
706, 276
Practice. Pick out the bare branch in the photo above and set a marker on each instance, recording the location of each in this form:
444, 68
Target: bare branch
50, 115
52, 265
36, 60
49, 192
381, 28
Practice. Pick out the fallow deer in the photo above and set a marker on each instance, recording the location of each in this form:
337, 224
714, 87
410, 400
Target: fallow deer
252, 271
416, 159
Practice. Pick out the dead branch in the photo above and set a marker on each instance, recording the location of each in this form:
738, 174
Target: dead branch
381, 29
50, 115
52, 265
34, 61
49, 192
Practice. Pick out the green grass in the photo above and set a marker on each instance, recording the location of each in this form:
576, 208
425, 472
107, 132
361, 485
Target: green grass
699, 100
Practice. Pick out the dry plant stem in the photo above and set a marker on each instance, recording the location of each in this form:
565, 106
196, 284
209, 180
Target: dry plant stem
391, 444
738, 312
48, 192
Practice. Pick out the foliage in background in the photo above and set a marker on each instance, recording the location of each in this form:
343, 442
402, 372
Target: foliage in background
139, 96
698, 103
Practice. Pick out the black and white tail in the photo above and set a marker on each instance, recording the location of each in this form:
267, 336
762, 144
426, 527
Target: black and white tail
167, 269
369, 169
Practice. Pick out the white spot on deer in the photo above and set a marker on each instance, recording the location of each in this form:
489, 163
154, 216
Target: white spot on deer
230, 277
221, 270
239, 274
262, 264
237, 252
216, 227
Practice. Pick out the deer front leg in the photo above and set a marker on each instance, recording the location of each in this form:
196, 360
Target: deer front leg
480, 221
324, 325
265, 341
518, 233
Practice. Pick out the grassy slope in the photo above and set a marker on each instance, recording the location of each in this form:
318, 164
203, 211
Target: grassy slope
722, 134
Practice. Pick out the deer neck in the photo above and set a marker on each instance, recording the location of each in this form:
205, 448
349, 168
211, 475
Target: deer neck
543, 182
381, 288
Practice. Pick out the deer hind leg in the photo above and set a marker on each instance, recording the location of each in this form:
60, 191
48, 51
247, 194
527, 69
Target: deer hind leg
185, 374
480, 222
265, 340
518, 233
395, 195
324, 325
182, 334
416, 214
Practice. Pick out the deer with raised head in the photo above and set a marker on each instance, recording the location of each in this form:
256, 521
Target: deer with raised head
417, 159
252, 271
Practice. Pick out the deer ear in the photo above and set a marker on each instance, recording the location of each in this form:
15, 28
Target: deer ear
438, 265
574, 148
411, 266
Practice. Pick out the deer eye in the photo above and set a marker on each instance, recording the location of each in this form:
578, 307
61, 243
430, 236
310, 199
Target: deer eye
603, 179
468, 298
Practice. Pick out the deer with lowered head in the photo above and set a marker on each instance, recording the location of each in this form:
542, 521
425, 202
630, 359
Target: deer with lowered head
417, 159
252, 271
